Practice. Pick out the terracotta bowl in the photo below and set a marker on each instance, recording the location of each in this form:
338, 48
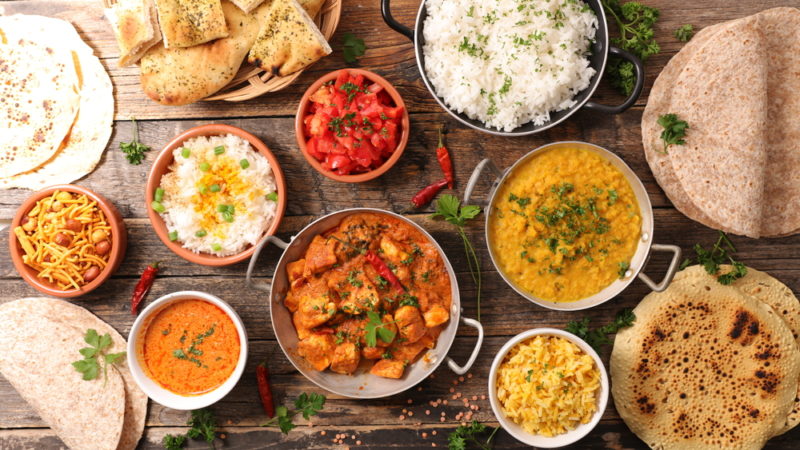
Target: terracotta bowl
305, 103
161, 166
119, 242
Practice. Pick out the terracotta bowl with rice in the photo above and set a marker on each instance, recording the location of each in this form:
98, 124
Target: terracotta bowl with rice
214, 192
548, 388
67, 240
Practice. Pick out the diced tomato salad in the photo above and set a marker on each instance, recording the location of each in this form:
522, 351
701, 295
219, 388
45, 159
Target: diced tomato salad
352, 125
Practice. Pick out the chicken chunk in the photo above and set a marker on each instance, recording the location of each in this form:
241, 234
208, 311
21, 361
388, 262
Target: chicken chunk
353, 329
372, 352
408, 353
359, 295
294, 272
409, 323
436, 315
320, 256
388, 368
314, 311
317, 350
302, 332
345, 358
393, 251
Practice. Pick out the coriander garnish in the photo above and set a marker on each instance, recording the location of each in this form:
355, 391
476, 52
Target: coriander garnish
684, 33
134, 150
353, 48
674, 130
94, 357
720, 253
599, 336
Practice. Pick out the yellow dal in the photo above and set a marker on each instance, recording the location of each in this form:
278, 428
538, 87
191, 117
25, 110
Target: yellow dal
548, 385
564, 225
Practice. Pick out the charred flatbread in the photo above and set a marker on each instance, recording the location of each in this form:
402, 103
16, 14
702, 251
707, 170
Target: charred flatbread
135, 25
185, 23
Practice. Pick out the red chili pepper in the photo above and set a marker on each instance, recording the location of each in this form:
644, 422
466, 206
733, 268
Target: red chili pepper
383, 270
424, 196
444, 161
264, 390
143, 286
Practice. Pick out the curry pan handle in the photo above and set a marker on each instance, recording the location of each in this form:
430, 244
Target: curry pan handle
262, 286
476, 175
461, 370
393, 23
637, 88
671, 271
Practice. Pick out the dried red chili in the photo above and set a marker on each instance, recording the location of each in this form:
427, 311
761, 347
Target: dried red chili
143, 286
264, 389
383, 270
444, 161
426, 194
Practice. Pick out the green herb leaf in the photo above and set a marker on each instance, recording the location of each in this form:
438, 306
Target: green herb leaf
674, 130
171, 442
466, 434
353, 48
599, 337
93, 357
684, 33
635, 23
134, 150
711, 260
203, 425
306, 404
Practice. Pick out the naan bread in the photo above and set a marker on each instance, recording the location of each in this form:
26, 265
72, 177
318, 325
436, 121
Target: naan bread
87, 140
312, 7
185, 23
704, 366
38, 101
36, 355
135, 26
288, 41
174, 76
247, 5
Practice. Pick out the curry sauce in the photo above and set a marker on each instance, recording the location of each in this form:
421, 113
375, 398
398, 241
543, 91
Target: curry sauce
346, 312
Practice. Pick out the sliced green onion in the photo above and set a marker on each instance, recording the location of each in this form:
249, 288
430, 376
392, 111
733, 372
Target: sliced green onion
201, 233
228, 217
205, 167
159, 197
215, 188
173, 236
203, 189
185, 152
222, 208
216, 247
157, 207
244, 163
272, 196
219, 150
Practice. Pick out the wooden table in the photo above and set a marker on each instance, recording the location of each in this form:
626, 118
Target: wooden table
376, 423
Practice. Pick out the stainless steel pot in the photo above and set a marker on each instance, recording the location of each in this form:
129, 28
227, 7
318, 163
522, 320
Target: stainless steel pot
600, 50
640, 257
362, 385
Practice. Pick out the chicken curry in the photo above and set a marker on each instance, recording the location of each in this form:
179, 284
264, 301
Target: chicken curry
374, 289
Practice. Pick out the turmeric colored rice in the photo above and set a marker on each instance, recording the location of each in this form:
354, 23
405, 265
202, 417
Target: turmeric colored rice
548, 385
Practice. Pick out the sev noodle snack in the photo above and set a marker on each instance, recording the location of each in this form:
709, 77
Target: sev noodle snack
66, 238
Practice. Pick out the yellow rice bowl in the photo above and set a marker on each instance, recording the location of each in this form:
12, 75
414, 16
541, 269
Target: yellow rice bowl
548, 385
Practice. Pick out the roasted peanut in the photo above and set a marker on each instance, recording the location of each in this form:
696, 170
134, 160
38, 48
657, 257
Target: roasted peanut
73, 225
28, 223
64, 196
91, 273
56, 206
102, 247
99, 235
62, 239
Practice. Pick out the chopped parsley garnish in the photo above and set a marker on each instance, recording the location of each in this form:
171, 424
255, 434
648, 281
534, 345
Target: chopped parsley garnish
720, 253
674, 130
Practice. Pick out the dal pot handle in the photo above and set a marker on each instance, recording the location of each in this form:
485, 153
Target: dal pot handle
461, 370
637, 88
476, 175
671, 271
262, 286
394, 24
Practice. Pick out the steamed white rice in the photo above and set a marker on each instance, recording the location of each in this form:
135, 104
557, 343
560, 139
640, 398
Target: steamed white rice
508, 62
192, 205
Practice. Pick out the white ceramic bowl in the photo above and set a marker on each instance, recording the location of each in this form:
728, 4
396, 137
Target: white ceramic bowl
538, 440
163, 396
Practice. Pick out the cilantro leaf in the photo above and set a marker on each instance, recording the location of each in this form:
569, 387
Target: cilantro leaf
720, 253
93, 357
464, 434
353, 48
684, 33
203, 425
376, 328
171, 442
134, 150
674, 130
598, 337
306, 404
92, 338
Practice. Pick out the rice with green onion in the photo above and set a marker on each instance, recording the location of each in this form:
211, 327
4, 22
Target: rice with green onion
508, 62
219, 195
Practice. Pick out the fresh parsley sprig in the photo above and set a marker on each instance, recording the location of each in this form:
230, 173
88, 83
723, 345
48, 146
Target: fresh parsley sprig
203, 426
684, 33
450, 209
353, 48
635, 23
674, 130
599, 336
720, 253
95, 357
306, 404
470, 434
134, 150
375, 328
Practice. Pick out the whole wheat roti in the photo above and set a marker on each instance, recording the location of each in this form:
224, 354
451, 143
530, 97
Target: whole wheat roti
39, 88
69, 314
87, 140
36, 355
772, 293
704, 367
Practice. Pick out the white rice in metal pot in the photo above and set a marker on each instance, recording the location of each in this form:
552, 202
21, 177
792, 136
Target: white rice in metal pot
508, 62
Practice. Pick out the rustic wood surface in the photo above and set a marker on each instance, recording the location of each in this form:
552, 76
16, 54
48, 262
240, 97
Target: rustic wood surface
375, 423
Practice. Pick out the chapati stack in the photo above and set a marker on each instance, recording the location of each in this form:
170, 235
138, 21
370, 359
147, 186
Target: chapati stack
736, 85
39, 340
56, 103
707, 366
205, 42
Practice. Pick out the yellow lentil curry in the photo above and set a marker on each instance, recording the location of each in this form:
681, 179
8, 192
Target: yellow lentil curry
564, 225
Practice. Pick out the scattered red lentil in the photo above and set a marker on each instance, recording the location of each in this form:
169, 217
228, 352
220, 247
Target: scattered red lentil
483, 397
469, 375
427, 412
434, 432
409, 401
474, 397
461, 379
323, 433
402, 417
410, 413
424, 435
358, 442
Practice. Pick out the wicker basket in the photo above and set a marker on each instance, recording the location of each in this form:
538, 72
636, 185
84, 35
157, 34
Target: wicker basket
252, 81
